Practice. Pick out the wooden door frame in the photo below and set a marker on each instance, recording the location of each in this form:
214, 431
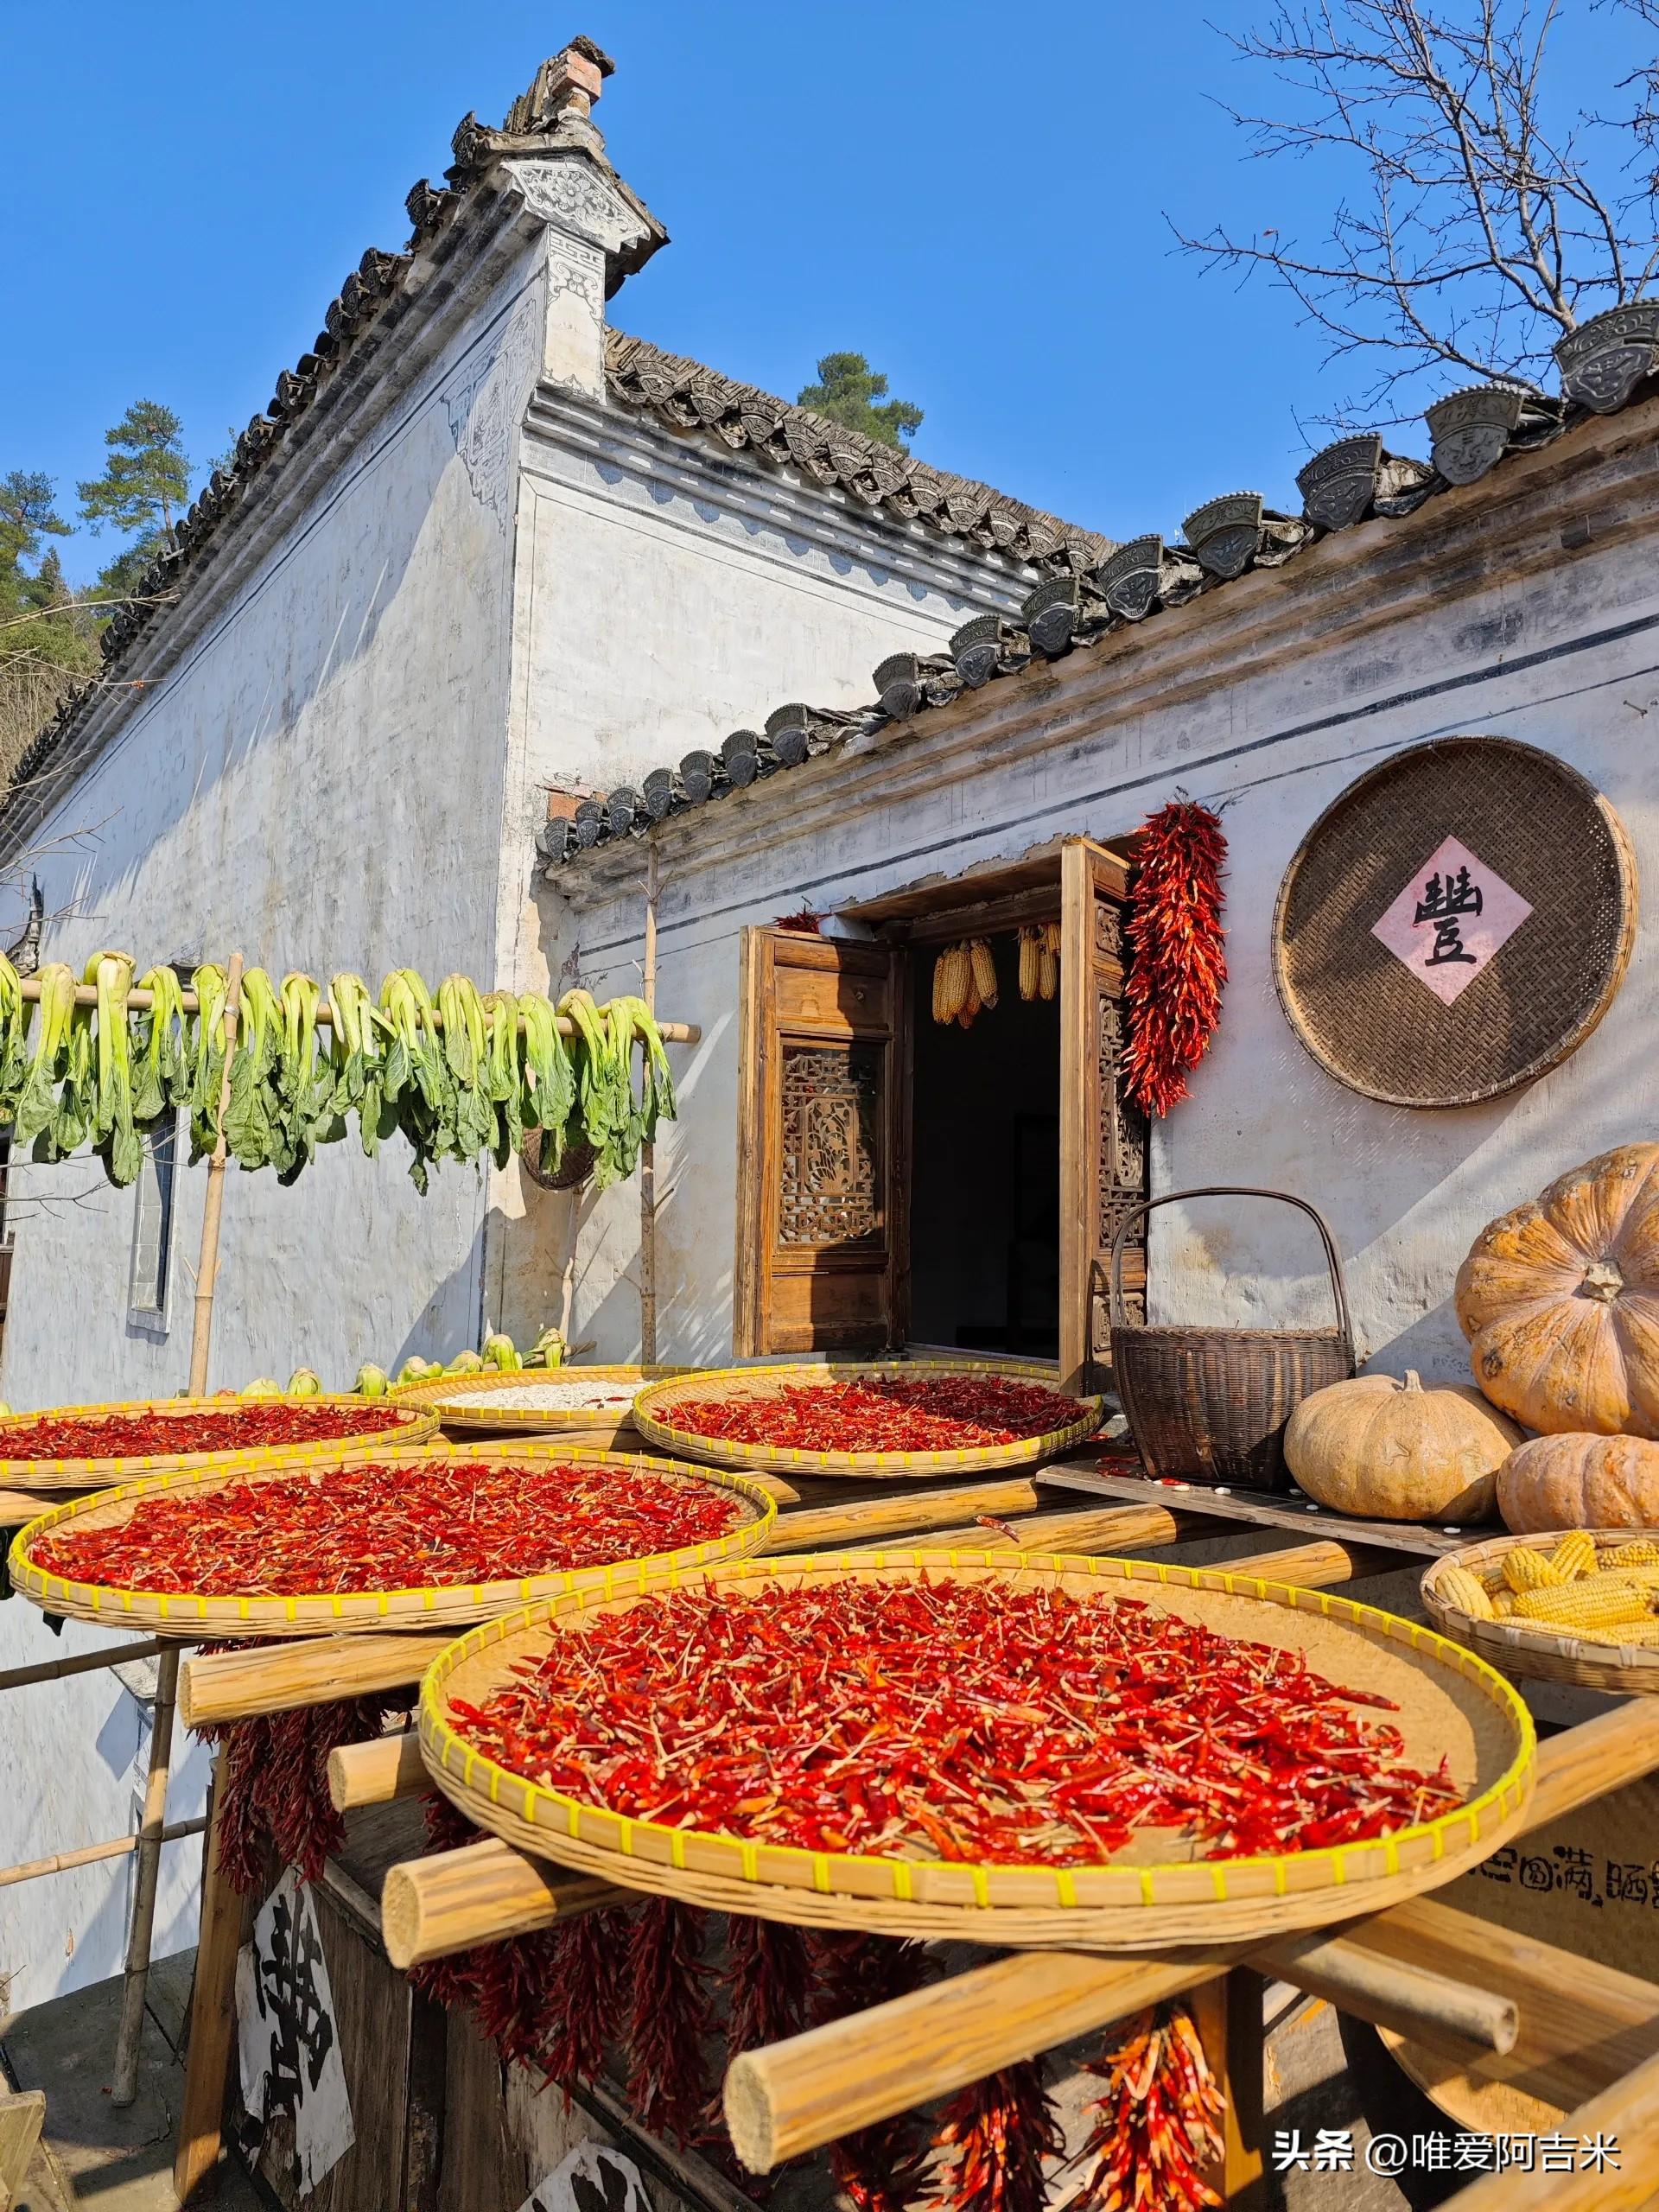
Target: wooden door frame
1089, 872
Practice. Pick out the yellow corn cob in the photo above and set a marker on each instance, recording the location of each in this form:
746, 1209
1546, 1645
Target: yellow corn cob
1526, 1569
1031, 953
1644, 1634
1051, 938
1466, 1592
939, 1013
1575, 1555
1597, 1602
1048, 974
1643, 1553
970, 1006
958, 974
1503, 1602
983, 961
1645, 1577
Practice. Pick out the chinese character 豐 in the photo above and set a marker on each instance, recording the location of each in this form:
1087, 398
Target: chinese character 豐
1445, 902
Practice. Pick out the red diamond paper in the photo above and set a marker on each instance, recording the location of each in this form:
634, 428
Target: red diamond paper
1451, 919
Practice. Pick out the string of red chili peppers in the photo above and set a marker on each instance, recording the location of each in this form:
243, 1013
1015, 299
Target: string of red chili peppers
1178, 968
150, 1435
884, 2167
881, 1414
976, 1720
271, 1786
1158, 2121
360, 1526
995, 2135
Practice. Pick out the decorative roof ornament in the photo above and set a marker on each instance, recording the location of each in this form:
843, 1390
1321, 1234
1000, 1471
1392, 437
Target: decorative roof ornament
1224, 533
897, 682
624, 811
1129, 582
789, 734
697, 772
977, 648
1339, 483
1471, 428
740, 753
1050, 615
1603, 360
658, 791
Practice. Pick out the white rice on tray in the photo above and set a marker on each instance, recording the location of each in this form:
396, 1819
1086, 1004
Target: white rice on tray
546, 1397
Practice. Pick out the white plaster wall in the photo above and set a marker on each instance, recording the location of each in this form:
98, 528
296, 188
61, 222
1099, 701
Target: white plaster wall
319, 783
1406, 1192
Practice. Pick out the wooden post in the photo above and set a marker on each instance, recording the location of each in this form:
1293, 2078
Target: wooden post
212, 2021
123, 2086
648, 1152
1226, 2013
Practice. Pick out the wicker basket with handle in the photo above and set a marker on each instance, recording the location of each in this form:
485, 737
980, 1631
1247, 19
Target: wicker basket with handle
1210, 1404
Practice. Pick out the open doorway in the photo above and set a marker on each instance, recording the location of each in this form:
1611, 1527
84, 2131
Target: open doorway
985, 1191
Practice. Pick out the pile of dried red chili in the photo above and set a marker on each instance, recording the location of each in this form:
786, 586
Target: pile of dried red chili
975, 1721
896, 1413
248, 1427
359, 1526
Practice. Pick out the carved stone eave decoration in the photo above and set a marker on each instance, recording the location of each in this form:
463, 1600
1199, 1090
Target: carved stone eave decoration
1228, 534
975, 647
1473, 430
588, 201
898, 682
1602, 361
1146, 573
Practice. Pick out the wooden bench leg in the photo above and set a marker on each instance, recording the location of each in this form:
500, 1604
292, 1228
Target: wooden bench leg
212, 2023
1226, 2013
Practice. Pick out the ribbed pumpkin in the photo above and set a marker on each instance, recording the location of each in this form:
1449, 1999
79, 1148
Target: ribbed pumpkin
1559, 1301
1580, 1482
1388, 1450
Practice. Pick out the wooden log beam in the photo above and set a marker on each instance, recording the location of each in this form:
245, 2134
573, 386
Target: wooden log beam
377, 1772
1626, 2115
990, 2016
480, 1894
277, 1677
832, 1525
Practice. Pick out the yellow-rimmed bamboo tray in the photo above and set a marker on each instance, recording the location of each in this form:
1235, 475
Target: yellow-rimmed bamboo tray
1451, 1706
232, 1616
440, 1394
418, 1423
777, 1458
1534, 1650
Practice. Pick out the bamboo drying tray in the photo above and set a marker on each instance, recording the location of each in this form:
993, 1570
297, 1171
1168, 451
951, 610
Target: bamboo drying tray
335, 1612
779, 1458
1451, 1703
1535, 1650
439, 1396
99, 1474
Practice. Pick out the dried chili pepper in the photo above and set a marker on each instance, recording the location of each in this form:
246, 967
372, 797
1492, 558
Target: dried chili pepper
995, 2135
587, 1976
1158, 2122
360, 1526
768, 1975
977, 1721
1178, 968
272, 1782
882, 2168
881, 1414
250, 1428
669, 2018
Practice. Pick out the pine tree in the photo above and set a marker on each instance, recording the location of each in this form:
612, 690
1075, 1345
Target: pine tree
47, 642
847, 392
146, 482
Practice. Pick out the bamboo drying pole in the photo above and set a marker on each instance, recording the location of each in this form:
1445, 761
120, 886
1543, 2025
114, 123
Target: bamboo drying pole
648, 1152
277, 1678
422, 1900
85, 1662
148, 1865
375, 1773
802, 2092
89, 1854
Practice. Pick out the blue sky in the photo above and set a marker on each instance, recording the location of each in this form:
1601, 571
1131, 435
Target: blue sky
972, 195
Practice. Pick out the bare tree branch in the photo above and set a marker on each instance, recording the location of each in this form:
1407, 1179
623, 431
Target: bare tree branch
1489, 224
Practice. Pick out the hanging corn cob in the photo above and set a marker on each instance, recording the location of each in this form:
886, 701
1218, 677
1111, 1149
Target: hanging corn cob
970, 1006
1031, 958
952, 976
1048, 965
984, 964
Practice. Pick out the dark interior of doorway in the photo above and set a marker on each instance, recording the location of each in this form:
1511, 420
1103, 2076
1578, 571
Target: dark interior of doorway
985, 1182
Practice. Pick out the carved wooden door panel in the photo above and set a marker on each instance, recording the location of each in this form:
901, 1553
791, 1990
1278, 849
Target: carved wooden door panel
824, 1093
1102, 1135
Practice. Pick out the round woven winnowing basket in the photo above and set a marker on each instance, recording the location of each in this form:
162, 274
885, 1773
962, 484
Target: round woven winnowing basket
1532, 1650
650, 1419
441, 1395
1539, 831
333, 1613
1451, 1706
416, 1423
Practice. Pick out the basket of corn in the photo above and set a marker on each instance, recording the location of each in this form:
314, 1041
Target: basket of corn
1579, 1607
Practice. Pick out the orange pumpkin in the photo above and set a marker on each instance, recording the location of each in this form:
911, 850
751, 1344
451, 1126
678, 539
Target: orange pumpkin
1560, 1301
1579, 1482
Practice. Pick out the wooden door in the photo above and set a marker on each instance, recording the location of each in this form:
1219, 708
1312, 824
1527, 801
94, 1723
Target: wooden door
1102, 1136
824, 1136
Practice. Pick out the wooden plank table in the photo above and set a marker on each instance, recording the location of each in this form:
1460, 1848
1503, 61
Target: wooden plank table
1079, 1473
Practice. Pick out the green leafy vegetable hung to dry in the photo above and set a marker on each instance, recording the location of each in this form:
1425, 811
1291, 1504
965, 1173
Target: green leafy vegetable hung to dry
110, 1129
160, 1081
16, 1012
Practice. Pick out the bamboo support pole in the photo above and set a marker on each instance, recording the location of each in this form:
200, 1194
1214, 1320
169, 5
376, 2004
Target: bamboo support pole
376, 1773
648, 1152
86, 1662
822, 1527
797, 2095
17, 1506
124, 2083
212, 2021
672, 1033
277, 1678
1627, 2116
487, 1888
90, 1854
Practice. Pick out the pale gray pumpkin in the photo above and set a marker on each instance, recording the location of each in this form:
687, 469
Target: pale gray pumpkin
1383, 1449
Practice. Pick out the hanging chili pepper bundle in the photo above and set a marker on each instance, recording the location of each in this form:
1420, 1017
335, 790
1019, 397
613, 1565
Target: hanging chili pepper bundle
979, 1721
250, 1428
882, 1412
273, 1781
882, 2168
768, 1981
1158, 2121
588, 1977
1178, 968
668, 2017
361, 1526
995, 2135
